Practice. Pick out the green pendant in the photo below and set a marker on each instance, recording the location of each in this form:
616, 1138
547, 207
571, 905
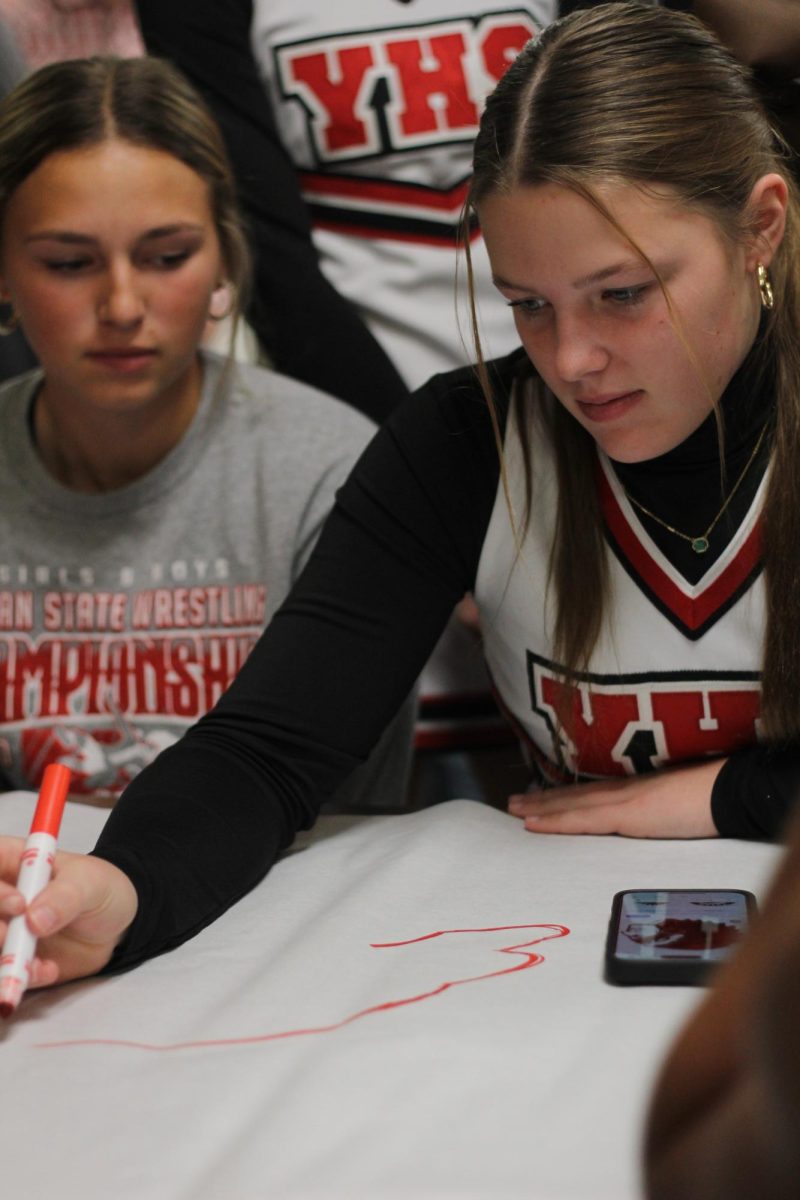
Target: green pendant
700, 545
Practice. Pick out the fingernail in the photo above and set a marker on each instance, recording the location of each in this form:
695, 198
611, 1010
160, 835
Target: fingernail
515, 804
43, 920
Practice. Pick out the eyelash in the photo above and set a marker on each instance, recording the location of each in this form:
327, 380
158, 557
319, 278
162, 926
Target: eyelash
627, 297
164, 262
66, 266
171, 260
530, 308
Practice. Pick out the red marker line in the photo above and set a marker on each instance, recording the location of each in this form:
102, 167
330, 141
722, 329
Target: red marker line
530, 959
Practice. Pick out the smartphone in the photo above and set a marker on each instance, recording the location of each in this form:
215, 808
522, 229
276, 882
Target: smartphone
674, 936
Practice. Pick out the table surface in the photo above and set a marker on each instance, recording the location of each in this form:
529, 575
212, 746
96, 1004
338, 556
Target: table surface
397, 1011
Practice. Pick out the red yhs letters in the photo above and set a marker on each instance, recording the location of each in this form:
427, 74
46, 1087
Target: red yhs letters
435, 78
631, 730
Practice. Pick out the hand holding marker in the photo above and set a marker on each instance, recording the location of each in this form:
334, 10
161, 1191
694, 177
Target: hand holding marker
19, 947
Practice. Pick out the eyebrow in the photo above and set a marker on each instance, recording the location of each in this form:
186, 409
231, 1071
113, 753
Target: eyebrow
584, 281
66, 237
625, 264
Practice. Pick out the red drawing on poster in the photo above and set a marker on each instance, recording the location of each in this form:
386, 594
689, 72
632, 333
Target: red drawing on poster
530, 958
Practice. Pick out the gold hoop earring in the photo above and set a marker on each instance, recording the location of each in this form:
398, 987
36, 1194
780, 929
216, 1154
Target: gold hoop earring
765, 287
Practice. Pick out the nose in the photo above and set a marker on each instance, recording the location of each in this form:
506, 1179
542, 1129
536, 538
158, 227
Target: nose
121, 300
579, 349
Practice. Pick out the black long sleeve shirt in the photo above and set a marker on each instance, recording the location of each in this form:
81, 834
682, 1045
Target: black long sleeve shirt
203, 824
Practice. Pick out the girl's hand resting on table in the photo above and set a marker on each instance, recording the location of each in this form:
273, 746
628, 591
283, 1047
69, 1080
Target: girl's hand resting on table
673, 803
79, 917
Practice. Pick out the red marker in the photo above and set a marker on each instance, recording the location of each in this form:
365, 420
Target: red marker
35, 870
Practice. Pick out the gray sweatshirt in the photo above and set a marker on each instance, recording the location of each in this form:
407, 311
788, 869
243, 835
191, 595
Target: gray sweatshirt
125, 615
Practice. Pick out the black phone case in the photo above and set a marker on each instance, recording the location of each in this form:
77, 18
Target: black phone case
686, 972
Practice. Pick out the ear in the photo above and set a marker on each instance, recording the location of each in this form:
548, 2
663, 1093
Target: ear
223, 301
766, 212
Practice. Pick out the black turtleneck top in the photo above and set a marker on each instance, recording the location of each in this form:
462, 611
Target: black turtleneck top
200, 826
685, 486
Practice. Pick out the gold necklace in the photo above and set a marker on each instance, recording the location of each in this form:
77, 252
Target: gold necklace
700, 543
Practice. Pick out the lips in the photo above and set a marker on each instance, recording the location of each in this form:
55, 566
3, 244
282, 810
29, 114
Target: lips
608, 406
605, 398
122, 352
122, 358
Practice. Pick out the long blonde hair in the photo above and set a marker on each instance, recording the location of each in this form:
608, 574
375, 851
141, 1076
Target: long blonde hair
639, 94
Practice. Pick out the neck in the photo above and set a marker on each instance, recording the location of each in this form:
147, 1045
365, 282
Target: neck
688, 488
93, 451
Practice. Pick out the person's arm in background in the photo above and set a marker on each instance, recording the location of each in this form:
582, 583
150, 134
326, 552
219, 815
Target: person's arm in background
725, 1118
765, 35
761, 33
306, 327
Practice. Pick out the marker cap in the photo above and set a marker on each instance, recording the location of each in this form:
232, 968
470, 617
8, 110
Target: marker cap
52, 798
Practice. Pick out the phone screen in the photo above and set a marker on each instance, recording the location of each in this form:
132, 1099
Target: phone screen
680, 925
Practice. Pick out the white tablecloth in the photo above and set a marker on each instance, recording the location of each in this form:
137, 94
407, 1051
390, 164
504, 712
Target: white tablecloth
287, 1051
